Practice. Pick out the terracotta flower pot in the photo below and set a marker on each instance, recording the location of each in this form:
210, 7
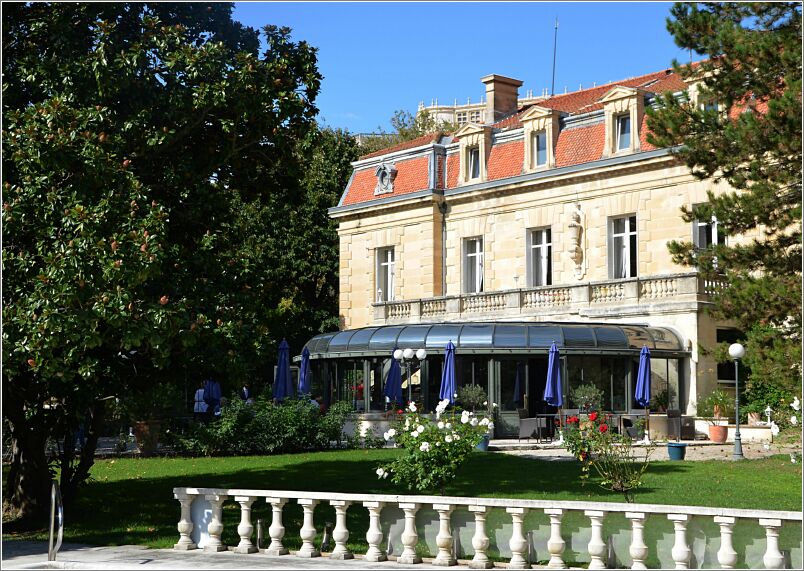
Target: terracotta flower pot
753, 419
718, 433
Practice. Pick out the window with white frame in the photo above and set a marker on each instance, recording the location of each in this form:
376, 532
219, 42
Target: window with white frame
623, 247
385, 274
623, 132
460, 117
473, 154
474, 117
540, 254
706, 233
539, 148
473, 265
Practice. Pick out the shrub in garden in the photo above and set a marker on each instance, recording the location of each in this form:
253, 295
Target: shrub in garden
587, 397
595, 445
435, 449
264, 427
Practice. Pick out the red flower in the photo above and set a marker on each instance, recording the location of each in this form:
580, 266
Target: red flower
593, 416
400, 411
604, 427
572, 420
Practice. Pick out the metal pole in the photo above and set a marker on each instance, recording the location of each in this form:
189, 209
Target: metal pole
555, 47
738, 444
410, 387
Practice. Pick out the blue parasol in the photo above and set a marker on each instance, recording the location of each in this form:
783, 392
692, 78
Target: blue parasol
553, 393
393, 383
283, 386
642, 393
305, 378
448, 375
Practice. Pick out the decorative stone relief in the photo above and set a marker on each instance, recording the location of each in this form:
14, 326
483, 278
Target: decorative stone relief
577, 238
385, 179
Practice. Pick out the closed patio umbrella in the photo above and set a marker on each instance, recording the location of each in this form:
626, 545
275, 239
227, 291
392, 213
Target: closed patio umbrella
393, 383
519, 393
448, 375
642, 393
283, 386
553, 392
305, 378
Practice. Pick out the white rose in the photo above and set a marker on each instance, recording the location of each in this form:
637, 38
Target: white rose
795, 404
485, 403
473, 422
380, 472
774, 428
392, 432
440, 424
385, 475
793, 420
793, 458
425, 446
448, 438
438, 444
420, 428
386, 435
484, 421
412, 407
448, 425
456, 436
464, 419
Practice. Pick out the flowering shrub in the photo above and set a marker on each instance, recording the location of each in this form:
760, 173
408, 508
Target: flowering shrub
592, 441
435, 449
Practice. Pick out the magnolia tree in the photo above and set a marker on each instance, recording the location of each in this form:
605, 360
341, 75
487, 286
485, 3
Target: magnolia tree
435, 449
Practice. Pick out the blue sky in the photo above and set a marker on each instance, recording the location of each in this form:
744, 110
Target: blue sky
380, 57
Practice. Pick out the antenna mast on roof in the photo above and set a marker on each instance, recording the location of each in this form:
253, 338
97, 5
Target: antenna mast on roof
555, 45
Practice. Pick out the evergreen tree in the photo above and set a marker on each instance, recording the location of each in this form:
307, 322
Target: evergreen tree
752, 144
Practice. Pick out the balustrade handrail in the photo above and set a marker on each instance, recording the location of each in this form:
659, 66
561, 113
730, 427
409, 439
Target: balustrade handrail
499, 502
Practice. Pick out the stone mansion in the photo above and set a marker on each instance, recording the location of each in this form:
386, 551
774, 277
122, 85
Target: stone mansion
547, 222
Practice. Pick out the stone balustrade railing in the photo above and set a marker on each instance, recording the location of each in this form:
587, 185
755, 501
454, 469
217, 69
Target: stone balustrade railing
201, 526
545, 300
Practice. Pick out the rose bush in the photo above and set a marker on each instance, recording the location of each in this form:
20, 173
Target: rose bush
593, 442
435, 449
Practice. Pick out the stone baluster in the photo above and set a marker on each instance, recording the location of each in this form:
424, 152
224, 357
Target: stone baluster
680, 551
307, 531
480, 541
773, 558
638, 550
726, 556
375, 553
409, 536
185, 526
596, 546
245, 529
444, 556
340, 534
276, 531
518, 543
556, 544
215, 527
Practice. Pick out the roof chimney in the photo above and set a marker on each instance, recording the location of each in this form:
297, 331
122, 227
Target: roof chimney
502, 94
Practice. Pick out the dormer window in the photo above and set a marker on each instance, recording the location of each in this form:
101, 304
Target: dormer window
474, 162
540, 148
624, 132
385, 174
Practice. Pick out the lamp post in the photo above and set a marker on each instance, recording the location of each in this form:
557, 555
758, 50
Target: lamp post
406, 357
737, 352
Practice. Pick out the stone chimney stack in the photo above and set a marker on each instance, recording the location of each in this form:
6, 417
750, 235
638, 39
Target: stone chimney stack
502, 94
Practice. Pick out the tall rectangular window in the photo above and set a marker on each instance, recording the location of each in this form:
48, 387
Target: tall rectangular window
385, 274
473, 265
623, 247
539, 149
474, 162
707, 234
540, 261
623, 132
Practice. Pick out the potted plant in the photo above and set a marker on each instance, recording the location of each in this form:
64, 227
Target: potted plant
660, 401
753, 412
713, 408
146, 408
474, 398
587, 398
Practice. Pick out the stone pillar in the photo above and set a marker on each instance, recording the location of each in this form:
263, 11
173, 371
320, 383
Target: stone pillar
375, 552
680, 551
773, 558
215, 527
638, 550
340, 534
726, 556
307, 531
444, 537
409, 536
556, 544
480, 541
518, 543
185, 526
245, 529
596, 546
277, 530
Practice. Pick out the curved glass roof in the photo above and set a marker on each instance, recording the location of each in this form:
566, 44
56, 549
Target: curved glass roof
508, 337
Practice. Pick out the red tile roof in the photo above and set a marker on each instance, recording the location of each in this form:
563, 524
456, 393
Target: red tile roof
580, 145
453, 169
505, 160
411, 175
427, 139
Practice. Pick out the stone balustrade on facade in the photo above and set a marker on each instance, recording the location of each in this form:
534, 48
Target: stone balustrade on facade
479, 531
652, 294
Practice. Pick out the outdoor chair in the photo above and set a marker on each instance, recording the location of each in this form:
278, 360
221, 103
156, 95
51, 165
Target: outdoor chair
528, 426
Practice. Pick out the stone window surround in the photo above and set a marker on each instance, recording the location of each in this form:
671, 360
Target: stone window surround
465, 261
626, 236
616, 103
384, 277
546, 248
534, 120
471, 136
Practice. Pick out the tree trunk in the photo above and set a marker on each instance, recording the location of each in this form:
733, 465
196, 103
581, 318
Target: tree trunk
28, 484
73, 475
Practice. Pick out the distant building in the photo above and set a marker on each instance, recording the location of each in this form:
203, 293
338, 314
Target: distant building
537, 221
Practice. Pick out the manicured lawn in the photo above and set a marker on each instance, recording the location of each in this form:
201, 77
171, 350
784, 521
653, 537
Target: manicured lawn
130, 501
